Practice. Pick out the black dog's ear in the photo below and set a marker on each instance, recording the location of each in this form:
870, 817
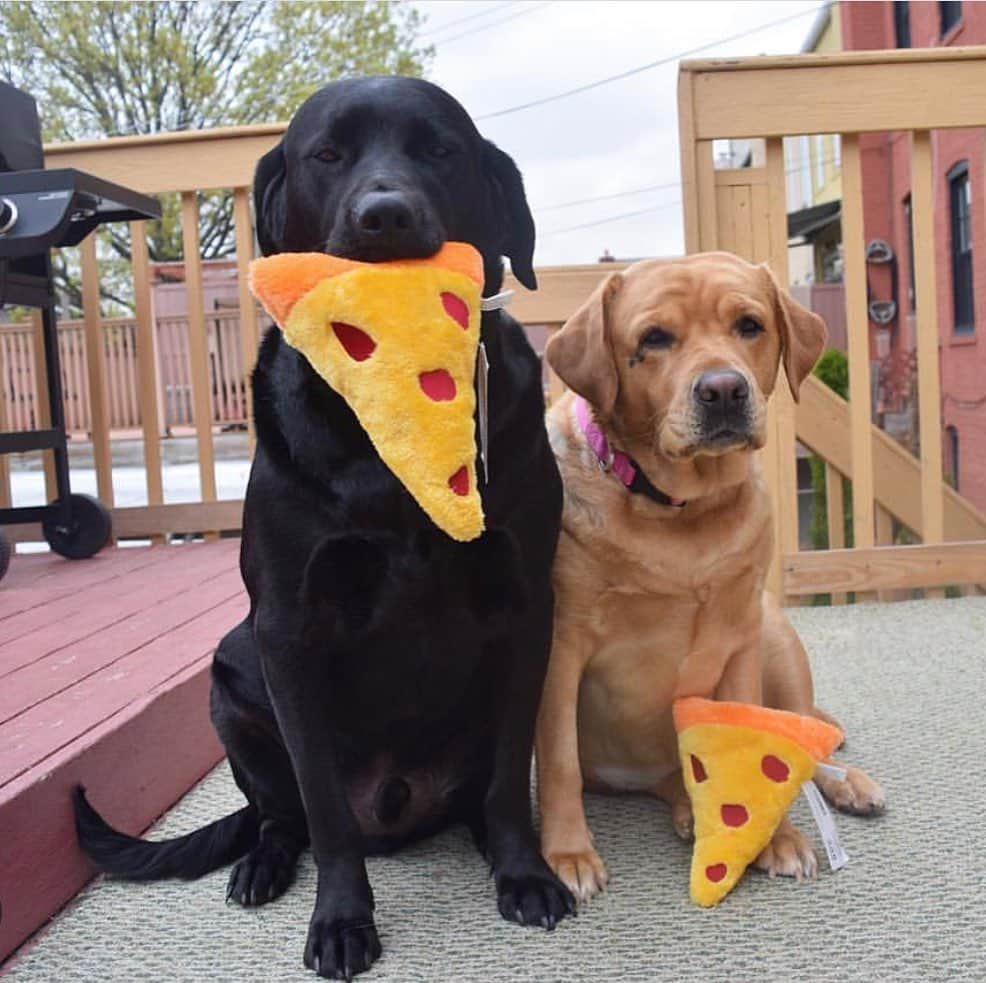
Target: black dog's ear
268, 199
510, 202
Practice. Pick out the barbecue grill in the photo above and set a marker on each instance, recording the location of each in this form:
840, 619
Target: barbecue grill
41, 210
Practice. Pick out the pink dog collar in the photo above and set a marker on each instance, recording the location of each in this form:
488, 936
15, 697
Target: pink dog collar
616, 461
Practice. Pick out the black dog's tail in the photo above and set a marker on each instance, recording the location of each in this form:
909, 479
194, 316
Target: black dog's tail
188, 856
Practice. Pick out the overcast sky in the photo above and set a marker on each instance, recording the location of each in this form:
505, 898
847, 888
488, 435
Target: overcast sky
619, 137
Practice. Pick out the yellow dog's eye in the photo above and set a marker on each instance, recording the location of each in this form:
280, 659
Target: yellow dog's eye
657, 338
748, 327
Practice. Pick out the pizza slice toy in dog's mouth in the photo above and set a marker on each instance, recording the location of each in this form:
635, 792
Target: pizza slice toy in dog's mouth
398, 341
743, 766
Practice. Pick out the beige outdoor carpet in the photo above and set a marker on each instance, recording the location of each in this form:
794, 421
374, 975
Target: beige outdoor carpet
906, 680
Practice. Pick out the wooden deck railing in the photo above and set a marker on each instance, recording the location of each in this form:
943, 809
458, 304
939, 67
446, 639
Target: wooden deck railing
227, 373
744, 210
200, 363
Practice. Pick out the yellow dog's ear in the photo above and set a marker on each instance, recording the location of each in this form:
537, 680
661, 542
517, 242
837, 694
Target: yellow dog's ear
280, 281
581, 353
803, 333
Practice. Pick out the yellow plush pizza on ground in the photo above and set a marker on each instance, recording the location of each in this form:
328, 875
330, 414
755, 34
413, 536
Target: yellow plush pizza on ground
398, 342
743, 766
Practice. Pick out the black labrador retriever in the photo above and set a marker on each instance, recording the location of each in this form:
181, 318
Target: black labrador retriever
386, 681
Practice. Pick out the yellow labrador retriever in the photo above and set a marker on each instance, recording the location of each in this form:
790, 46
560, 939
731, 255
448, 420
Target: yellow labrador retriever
666, 541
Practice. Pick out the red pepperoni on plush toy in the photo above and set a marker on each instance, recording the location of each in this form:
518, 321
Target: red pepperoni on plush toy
715, 872
456, 308
734, 815
437, 385
459, 482
698, 769
358, 344
774, 768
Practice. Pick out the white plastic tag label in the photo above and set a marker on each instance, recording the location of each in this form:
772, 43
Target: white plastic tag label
831, 771
497, 302
822, 815
482, 373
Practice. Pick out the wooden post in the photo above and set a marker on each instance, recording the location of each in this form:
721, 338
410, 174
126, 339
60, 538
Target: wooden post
689, 167
835, 516
99, 422
784, 435
929, 390
198, 346
884, 532
857, 318
249, 335
147, 369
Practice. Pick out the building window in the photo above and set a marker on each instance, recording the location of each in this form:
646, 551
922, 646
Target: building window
950, 14
902, 24
952, 436
960, 214
909, 219
820, 161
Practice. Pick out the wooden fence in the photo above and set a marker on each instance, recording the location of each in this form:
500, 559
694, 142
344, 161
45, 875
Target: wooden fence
173, 373
744, 210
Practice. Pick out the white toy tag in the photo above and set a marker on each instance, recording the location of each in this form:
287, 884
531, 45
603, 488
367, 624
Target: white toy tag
497, 302
822, 815
482, 372
831, 771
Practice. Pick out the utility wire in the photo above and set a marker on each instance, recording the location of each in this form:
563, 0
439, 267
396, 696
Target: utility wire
644, 211
462, 20
612, 218
496, 23
644, 68
618, 194
663, 187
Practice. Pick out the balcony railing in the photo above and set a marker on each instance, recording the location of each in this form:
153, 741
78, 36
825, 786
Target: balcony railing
194, 371
744, 210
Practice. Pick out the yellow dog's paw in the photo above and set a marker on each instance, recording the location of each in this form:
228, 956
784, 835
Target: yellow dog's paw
682, 818
789, 854
581, 871
857, 794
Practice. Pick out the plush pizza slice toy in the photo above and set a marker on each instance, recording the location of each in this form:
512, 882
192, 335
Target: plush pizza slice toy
743, 766
398, 342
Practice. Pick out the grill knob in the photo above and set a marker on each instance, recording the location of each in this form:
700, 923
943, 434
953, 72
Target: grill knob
8, 215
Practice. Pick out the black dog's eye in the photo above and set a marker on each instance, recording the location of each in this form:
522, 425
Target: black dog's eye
328, 156
748, 327
439, 151
657, 338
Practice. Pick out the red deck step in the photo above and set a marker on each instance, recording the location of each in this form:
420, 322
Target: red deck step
104, 681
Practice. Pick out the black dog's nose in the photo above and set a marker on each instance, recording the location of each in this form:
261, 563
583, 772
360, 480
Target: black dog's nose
725, 387
385, 216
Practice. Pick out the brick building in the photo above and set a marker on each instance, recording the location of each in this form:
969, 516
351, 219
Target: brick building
959, 169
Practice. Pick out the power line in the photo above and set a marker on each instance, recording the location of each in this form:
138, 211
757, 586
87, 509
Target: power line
648, 66
618, 194
646, 211
663, 187
462, 20
612, 218
496, 23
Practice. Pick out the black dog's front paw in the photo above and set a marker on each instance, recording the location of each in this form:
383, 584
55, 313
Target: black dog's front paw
339, 948
533, 896
264, 874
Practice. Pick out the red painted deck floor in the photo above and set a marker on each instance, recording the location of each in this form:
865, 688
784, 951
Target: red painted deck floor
104, 679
